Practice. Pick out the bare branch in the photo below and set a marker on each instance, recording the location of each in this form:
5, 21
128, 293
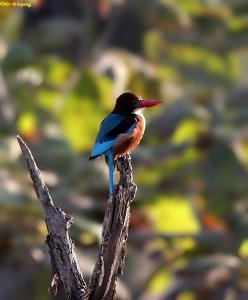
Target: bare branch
63, 258
112, 252
110, 261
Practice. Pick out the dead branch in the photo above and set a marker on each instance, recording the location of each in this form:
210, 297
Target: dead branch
110, 261
63, 258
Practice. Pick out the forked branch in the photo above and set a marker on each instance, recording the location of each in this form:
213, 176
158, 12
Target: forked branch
110, 261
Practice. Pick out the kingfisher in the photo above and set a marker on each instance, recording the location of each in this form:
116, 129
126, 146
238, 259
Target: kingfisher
121, 131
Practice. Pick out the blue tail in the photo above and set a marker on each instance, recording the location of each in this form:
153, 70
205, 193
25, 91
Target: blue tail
111, 166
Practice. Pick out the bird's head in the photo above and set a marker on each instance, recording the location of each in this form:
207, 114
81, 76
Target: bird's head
130, 102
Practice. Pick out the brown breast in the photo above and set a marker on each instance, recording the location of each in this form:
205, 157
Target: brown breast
126, 142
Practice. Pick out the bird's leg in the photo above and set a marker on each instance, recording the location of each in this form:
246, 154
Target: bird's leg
118, 162
111, 166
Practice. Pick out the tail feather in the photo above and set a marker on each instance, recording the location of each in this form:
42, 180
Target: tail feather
111, 165
94, 157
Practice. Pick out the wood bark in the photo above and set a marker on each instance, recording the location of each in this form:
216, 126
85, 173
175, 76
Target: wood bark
110, 260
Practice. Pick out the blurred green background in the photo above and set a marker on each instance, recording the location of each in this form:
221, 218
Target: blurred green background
63, 63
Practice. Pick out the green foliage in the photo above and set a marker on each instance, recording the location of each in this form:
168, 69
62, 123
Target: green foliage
60, 78
83, 110
19, 56
165, 218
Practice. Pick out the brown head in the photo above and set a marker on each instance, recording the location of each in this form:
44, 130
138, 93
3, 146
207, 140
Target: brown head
129, 102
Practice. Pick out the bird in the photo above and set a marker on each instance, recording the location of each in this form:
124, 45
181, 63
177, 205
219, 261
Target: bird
121, 131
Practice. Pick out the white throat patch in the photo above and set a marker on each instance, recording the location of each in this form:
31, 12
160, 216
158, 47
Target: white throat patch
139, 112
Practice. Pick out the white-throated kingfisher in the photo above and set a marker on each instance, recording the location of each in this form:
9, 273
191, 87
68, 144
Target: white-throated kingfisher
121, 131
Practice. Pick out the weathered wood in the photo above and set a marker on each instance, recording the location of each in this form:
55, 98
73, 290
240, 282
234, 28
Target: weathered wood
110, 261
63, 258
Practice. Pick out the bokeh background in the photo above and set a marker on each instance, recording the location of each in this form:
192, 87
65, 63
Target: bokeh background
63, 63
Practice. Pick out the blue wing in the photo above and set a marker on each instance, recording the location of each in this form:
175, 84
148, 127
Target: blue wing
110, 128
107, 125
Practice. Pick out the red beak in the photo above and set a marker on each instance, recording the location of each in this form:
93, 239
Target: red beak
148, 103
